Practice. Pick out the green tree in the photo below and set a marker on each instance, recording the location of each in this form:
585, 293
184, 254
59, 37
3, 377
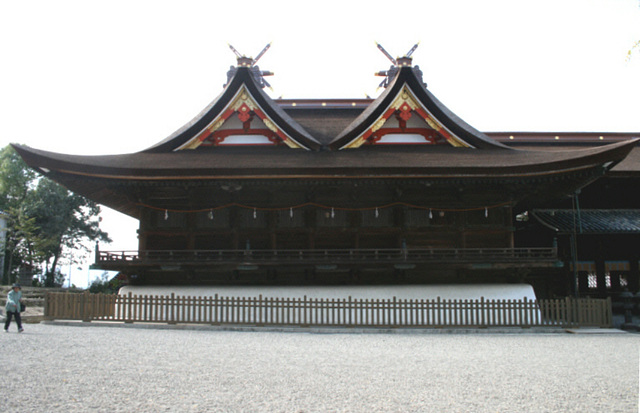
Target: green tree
22, 244
105, 285
15, 179
47, 222
15, 182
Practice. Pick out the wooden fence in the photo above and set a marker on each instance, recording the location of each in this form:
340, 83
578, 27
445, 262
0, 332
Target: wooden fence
303, 312
328, 256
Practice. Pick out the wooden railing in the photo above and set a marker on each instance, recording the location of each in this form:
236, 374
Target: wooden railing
268, 311
333, 256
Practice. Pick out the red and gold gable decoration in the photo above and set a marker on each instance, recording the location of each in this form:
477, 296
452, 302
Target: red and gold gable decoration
406, 121
242, 122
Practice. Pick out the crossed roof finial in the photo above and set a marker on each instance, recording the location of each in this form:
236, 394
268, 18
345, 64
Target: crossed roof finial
401, 61
244, 61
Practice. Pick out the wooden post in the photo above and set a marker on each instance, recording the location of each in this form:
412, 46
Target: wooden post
608, 322
129, 308
172, 315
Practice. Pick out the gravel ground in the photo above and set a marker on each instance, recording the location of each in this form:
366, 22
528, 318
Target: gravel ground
53, 368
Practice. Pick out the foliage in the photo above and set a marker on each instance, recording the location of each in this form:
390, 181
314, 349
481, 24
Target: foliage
105, 285
22, 242
47, 223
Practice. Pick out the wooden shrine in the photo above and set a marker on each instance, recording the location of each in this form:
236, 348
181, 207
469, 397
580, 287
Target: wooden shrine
388, 190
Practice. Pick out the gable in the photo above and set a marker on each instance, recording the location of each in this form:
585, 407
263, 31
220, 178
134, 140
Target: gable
242, 100
404, 98
242, 122
407, 121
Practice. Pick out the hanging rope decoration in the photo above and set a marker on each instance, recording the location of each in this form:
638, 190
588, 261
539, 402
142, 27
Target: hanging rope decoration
441, 211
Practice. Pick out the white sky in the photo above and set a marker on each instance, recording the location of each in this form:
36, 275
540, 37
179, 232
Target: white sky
98, 77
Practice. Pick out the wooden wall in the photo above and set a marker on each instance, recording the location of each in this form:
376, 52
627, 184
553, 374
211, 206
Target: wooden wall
318, 228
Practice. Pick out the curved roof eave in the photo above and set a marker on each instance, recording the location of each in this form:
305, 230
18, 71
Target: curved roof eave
242, 77
368, 162
451, 121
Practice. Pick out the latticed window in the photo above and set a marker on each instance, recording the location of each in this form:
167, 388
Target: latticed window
592, 280
624, 282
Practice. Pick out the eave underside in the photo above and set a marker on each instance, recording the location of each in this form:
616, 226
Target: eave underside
129, 196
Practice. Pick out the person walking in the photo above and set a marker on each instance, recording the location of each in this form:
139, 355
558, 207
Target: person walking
14, 298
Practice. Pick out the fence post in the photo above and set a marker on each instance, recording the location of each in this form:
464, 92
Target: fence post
395, 314
47, 301
85, 308
569, 311
172, 318
261, 317
215, 320
608, 322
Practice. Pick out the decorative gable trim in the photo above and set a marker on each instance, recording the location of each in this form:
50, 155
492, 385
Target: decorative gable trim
245, 106
407, 89
404, 106
241, 90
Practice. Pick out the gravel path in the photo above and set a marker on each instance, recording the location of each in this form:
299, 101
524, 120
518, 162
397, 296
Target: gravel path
53, 368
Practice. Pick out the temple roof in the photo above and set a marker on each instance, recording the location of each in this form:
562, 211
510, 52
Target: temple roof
440, 116
341, 141
242, 82
590, 221
216, 163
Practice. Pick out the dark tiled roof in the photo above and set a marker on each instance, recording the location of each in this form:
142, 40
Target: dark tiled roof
368, 161
324, 123
590, 221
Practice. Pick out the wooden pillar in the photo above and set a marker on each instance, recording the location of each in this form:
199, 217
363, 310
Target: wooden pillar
142, 230
508, 222
312, 239
634, 274
583, 282
191, 224
600, 276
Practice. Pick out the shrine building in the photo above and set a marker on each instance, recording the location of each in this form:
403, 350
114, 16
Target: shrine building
396, 189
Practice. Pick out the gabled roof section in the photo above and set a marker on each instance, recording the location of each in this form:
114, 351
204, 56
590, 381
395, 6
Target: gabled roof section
242, 96
407, 94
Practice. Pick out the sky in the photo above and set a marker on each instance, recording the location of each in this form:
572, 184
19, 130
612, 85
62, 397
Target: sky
106, 77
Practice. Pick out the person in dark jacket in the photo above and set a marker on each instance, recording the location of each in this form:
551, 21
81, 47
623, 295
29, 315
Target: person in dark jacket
14, 298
